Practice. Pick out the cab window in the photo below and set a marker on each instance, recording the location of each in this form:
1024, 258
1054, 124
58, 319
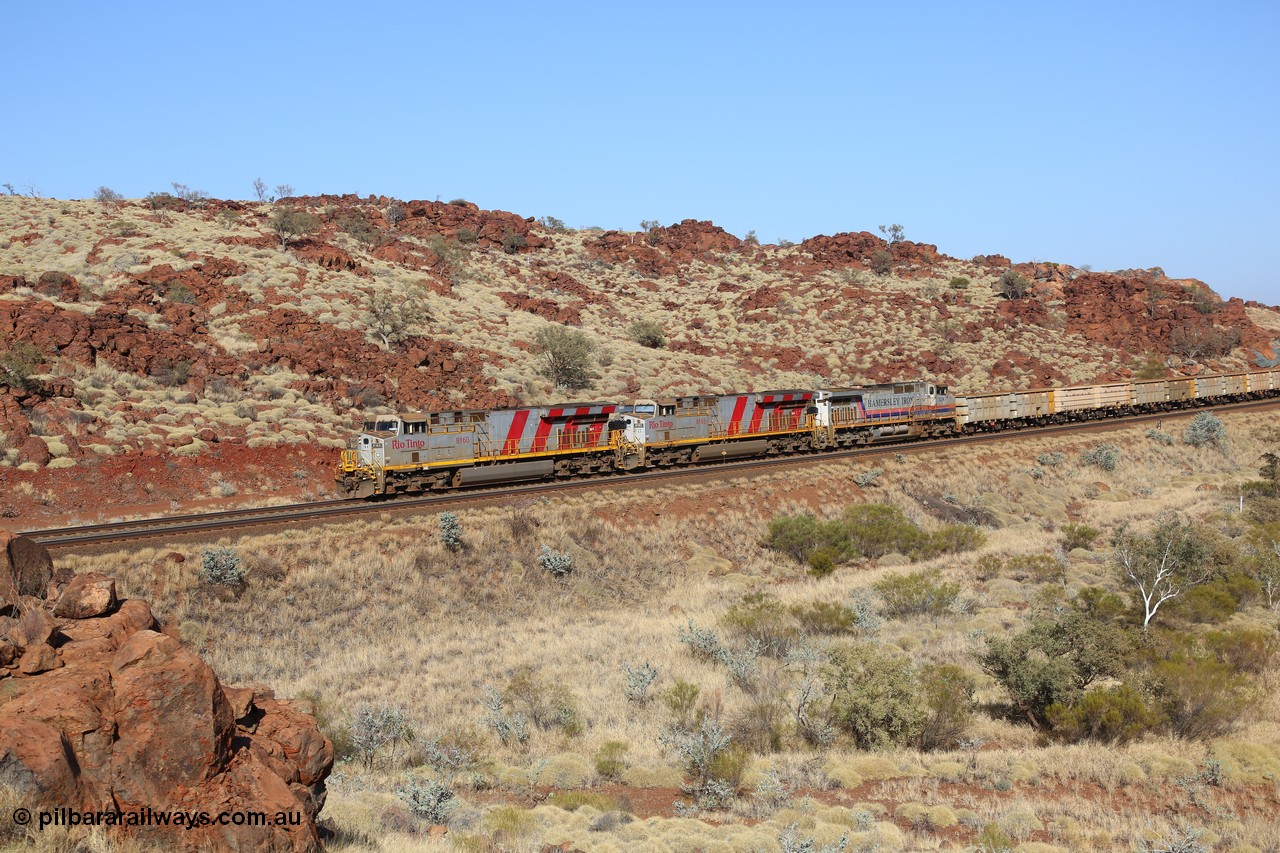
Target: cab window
385, 426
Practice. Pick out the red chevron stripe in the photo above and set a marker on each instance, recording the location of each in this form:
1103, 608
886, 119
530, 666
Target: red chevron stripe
512, 442
735, 422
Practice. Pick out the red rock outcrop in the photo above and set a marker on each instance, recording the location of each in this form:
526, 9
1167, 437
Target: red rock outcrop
549, 309
858, 251
459, 220
100, 711
1141, 311
665, 251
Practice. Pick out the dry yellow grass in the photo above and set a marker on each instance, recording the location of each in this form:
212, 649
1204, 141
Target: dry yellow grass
381, 612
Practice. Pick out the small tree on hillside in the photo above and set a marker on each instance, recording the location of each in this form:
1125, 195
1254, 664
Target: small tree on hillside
376, 726
390, 316
290, 223
892, 233
566, 356
18, 366
647, 333
1162, 565
1013, 285
108, 196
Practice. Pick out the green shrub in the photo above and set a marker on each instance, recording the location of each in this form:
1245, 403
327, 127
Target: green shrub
1159, 436
1078, 536
1251, 650
825, 617
1205, 429
863, 479
1042, 567
729, 764
547, 705
221, 567
875, 697
761, 725
609, 760
1210, 603
180, 294
647, 333
762, 618
864, 530
681, 700
571, 801
450, 531
948, 701
291, 223
1202, 697
993, 839
558, 564
360, 228
1013, 285
874, 530
1111, 715
708, 757
1100, 605
171, 373
553, 224
513, 242
952, 539
107, 196
1054, 660
959, 282
375, 727
882, 261
822, 562
638, 681
922, 593
428, 799
1104, 456
801, 536
19, 365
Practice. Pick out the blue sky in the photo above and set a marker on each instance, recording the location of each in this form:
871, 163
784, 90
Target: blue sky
1116, 135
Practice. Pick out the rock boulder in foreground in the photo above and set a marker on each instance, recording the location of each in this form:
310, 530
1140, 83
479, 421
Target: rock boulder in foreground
102, 712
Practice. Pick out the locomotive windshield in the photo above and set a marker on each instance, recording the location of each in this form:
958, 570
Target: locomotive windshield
381, 426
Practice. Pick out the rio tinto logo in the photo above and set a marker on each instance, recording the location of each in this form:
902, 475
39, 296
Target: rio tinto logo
661, 424
407, 444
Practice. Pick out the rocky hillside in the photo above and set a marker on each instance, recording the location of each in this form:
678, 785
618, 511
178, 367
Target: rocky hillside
100, 710
175, 349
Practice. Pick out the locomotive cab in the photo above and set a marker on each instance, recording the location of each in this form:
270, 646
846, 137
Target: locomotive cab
370, 444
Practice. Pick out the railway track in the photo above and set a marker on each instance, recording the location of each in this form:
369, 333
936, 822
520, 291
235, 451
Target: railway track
205, 524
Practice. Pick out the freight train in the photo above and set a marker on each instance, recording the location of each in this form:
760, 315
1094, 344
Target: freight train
425, 451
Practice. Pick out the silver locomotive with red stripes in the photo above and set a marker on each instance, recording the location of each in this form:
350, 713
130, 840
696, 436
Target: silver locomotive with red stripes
442, 450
